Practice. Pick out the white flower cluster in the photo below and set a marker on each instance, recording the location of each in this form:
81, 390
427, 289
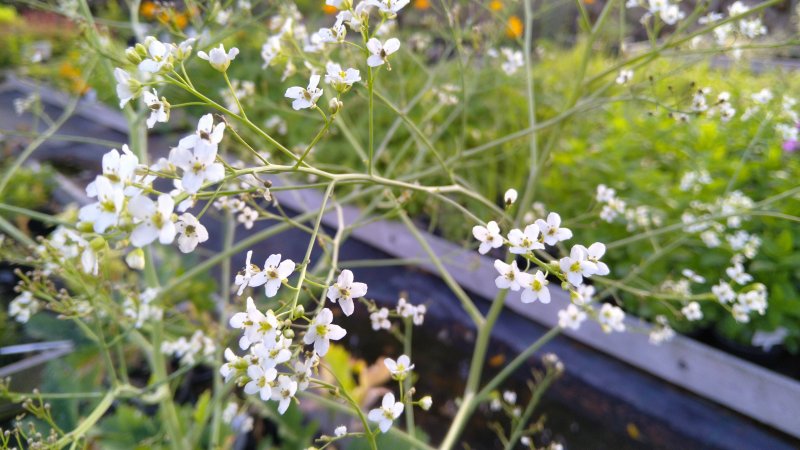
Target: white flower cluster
582, 262
141, 309
23, 307
198, 348
669, 13
614, 208
512, 60
405, 310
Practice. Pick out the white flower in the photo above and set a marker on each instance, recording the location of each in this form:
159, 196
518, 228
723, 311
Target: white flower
762, 96
692, 276
159, 56
196, 154
380, 319
260, 381
692, 312
551, 229
341, 79
218, 58
380, 51
345, 290
536, 289
611, 318
576, 266
155, 220
23, 307
242, 278
385, 415
305, 98
525, 242
426, 402
624, 76
135, 259
303, 371
723, 292
117, 169
340, 431
593, 254
514, 60
321, 331
510, 197
572, 317
419, 314
662, 332
106, 211
274, 273
270, 50
737, 274
510, 397
489, 236
190, 232
159, 109
582, 295
127, 87
258, 327
400, 368
510, 276
389, 7
284, 392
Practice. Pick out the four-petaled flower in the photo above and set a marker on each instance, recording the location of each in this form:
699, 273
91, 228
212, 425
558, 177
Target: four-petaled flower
525, 242
322, 331
385, 415
379, 52
305, 98
489, 236
155, 220
260, 381
218, 57
551, 229
106, 211
345, 290
510, 275
284, 392
400, 368
274, 273
196, 155
159, 109
190, 232
339, 78
536, 288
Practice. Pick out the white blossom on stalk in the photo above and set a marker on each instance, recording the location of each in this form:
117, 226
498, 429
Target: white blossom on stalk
510, 197
510, 276
340, 431
23, 307
159, 55
219, 58
572, 317
127, 87
385, 415
724, 292
737, 274
106, 211
257, 327
593, 255
426, 402
190, 232
270, 50
536, 289
242, 278
305, 98
260, 381
692, 312
400, 368
234, 366
322, 331
576, 265
159, 109
551, 230
625, 75
489, 236
345, 290
155, 220
524, 242
380, 320
284, 392
274, 273
303, 371
379, 52
339, 78
611, 318
196, 154
389, 7
117, 168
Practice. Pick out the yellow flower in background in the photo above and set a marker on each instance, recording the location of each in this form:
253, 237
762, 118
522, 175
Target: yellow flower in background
514, 27
495, 5
148, 9
329, 9
422, 4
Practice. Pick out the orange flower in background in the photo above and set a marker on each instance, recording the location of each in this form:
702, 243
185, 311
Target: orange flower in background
422, 4
72, 75
495, 5
514, 27
328, 9
148, 9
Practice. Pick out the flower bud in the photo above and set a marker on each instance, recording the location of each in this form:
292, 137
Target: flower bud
335, 105
135, 259
426, 402
85, 227
299, 312
133, 56
97, 244
141, 50
510, 197
288, 333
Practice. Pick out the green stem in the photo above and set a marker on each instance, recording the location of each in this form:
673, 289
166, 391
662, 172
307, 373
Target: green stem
311, 242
